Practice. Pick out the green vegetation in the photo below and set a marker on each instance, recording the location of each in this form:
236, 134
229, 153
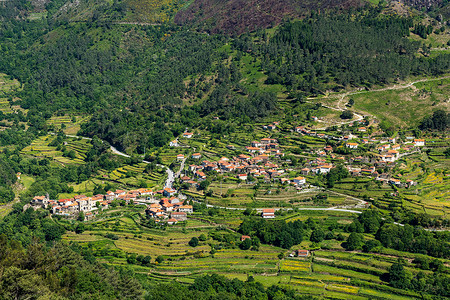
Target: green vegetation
83, 77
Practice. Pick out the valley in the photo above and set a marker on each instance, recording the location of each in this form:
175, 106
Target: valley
224, 149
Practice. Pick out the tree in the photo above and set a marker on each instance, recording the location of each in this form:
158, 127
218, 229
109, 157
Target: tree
317, 235
145, 261
398, 276
354, 241
160, 259
80, 228
371, 220
246, 244
81, 216
202, 237
131, 259
204, 185
193, 242
248, 211
346, 114
371, 245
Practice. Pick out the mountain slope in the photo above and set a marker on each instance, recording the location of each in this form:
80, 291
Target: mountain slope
238, 16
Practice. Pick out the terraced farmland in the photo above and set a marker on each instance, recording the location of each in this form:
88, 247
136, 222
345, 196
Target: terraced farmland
40, 148
69, 124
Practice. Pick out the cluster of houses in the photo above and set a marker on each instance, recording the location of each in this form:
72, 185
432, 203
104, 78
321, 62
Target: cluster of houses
71, 207
81, 203
257, 163
172, 210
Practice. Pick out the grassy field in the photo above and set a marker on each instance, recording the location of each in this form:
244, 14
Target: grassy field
404, 107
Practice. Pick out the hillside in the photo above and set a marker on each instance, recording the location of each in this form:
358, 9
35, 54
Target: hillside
238, 16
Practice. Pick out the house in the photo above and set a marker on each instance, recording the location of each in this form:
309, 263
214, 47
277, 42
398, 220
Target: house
299, 180
253, 149
200, 175
268, 213
242, 176
231, 147
186, 209
168, 206
305, 171
325, 169
179, 216
315, 118
188, 135
85, 204
395, 147
266, 141
352, 145
244, 237
180, 157
388, 158
196, 156
117, 193
173, 143
110, 196
41, 200
172, 221
302, 253
394, 153
169, 192
419, 142
362, 129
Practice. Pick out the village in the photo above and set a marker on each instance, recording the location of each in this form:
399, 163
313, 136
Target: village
259, 161
161, 205
262, 159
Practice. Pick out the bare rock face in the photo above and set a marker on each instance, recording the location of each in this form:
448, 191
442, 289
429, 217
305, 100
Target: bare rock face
238, 16
39, 5
422, 3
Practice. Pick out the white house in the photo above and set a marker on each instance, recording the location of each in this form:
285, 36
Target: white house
188, 135
186, 209
352, 145
299, 180
173, 143
325, 169
242, 176
196, 156
419, 142
268, 213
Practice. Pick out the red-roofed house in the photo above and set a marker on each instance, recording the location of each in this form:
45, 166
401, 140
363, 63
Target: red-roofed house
268, 213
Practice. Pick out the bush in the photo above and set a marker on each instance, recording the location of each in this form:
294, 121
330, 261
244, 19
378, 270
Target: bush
193, 242
347, 115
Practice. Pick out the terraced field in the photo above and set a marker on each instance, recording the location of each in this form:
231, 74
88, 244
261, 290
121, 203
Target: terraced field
332, 273
69, 124
134, 175
7, 88
40, 148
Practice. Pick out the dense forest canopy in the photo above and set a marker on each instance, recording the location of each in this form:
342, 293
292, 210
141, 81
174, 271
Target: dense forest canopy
137, 80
